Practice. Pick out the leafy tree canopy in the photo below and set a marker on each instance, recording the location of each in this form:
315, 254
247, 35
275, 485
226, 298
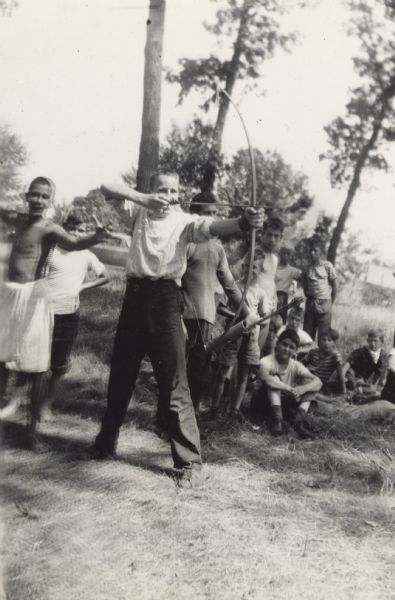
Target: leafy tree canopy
13, 157
371, 103
249, 32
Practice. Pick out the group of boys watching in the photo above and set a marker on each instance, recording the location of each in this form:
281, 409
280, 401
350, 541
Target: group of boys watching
174, 260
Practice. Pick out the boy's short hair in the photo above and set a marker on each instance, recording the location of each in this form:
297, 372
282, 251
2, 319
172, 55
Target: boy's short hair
42, 181
289, 334
274, 223
202, 198
333, 334
316, 242
297, 311
379, 333
154, 178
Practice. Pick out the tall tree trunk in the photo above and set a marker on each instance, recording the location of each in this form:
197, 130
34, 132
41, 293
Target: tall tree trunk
355, 182
215, 150
149, 142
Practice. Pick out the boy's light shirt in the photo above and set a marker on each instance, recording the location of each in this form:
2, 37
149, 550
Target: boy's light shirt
66, 273
294, 373
318, 280
158, 248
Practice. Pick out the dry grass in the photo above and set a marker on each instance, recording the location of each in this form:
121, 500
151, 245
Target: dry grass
270, 518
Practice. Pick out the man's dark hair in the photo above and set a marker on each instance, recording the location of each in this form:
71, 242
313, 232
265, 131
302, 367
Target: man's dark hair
289, 334
274, 223
202, 198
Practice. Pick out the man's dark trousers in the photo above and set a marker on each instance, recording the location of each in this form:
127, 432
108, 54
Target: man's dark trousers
150, 323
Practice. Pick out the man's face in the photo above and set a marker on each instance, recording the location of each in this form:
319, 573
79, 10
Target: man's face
271, 239
294, 322
167, 186
374, 343
38, 198
325, 343
285, 350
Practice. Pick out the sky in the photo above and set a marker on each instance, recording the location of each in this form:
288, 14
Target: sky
72, 73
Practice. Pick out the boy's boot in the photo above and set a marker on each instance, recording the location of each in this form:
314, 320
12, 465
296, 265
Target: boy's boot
302, 425
277, 425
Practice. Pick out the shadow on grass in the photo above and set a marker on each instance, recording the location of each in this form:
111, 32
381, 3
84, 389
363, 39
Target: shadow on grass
88, 400
64, 463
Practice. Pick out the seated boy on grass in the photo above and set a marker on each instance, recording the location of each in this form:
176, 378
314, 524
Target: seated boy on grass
288, 386
326, 362
365, 368
295, 323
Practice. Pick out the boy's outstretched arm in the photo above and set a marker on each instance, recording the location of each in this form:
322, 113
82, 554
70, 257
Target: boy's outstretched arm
59, 236
252, 218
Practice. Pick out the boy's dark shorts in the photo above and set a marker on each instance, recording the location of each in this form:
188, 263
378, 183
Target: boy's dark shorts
243, 350
64, 333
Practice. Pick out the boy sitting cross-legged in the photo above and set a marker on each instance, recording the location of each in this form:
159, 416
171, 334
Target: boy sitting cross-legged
326, 362
287, 388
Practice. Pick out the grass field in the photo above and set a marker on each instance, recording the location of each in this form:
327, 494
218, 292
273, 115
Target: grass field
269, 519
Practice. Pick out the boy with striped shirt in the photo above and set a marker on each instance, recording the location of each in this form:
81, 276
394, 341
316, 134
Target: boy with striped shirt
326, 362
